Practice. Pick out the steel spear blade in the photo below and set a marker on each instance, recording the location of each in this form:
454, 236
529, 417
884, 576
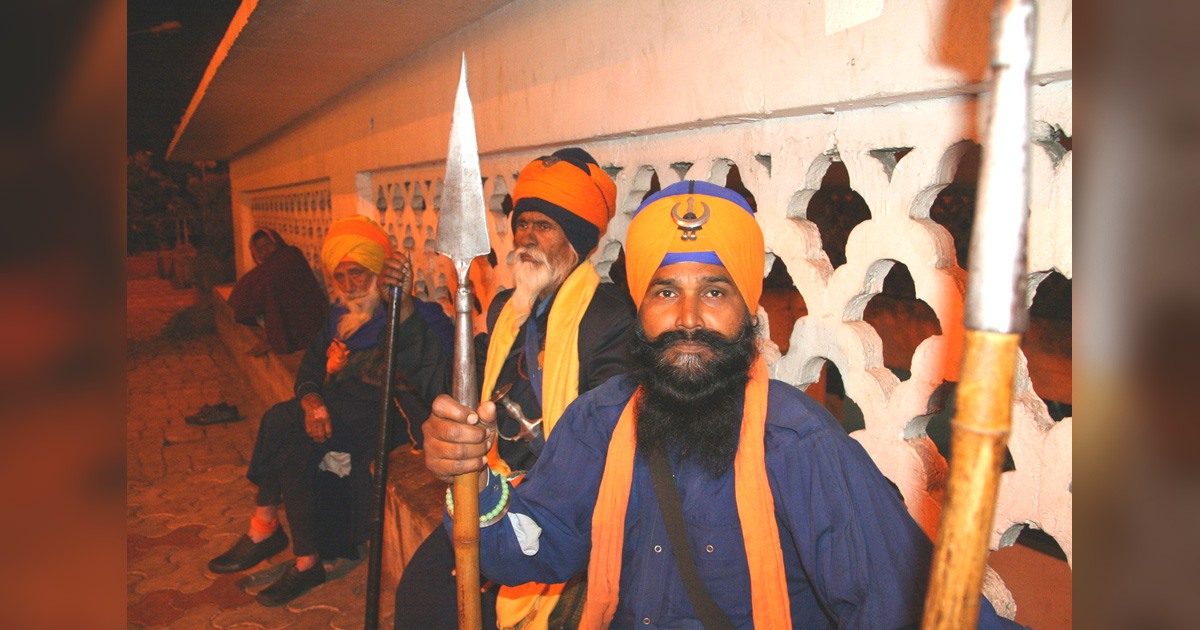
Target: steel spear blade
462, 226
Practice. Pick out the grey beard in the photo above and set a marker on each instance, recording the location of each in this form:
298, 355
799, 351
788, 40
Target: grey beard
532, 278
362, 308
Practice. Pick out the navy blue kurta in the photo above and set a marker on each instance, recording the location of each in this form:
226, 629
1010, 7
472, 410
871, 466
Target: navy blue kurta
853, 556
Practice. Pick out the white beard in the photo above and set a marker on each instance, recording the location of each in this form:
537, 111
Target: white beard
534, 277
362, 307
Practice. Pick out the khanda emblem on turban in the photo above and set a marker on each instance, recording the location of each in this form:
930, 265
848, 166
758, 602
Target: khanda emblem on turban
689, 223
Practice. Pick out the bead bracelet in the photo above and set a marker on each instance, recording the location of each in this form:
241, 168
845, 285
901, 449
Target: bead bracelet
497, 513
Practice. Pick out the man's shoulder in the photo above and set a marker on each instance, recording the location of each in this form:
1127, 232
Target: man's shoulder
501, 297
431, 311
793, 411
438, 321
608, 398
250, 276
496, 305
592, 416
610, 302
610, 295
614, 392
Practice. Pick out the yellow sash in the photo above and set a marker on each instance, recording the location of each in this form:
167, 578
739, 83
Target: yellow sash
528, 607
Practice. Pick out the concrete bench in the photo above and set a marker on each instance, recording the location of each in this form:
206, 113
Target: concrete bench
271, 375
414, 496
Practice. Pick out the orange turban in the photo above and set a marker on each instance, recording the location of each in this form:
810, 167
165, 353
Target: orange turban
570, 188
729, 236
359, 239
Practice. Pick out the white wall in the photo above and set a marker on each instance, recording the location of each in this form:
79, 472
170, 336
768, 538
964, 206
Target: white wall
548, 73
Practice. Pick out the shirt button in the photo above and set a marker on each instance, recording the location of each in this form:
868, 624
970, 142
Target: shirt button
657, 548
708, 549
646, 621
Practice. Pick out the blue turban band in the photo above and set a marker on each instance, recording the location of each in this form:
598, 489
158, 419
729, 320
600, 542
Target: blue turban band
708, 258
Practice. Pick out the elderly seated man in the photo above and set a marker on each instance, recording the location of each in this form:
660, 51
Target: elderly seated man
698, 492
333, 421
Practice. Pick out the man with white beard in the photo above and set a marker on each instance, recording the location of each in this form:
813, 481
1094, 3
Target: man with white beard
331, 424
558, 334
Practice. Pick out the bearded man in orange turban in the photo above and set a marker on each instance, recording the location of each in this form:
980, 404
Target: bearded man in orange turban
332, 423
560, 332
698, 492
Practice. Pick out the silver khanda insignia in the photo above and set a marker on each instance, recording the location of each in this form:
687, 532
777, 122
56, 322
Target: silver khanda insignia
689, 223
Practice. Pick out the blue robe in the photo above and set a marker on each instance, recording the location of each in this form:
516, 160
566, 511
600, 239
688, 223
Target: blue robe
853, 556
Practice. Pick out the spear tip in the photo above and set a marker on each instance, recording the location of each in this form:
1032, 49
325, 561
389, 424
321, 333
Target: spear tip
462, 227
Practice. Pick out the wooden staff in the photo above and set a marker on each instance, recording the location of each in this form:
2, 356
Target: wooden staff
463, 235
375, 560
995, 319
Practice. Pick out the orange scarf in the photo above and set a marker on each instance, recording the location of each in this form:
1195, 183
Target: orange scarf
528, 606
768, 583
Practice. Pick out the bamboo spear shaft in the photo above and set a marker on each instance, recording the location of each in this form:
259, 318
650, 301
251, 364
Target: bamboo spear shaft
995, 319
463, 235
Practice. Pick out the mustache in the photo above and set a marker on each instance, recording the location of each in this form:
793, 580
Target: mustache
701, 336
363, 298
538, 255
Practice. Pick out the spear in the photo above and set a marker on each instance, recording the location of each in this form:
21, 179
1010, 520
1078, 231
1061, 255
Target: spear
463, 235
995, 317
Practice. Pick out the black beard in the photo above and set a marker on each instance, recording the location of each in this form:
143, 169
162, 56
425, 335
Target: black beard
693, 410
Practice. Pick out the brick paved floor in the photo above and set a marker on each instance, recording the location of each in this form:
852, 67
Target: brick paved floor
187, 499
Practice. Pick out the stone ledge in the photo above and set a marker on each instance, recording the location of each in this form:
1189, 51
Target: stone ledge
412, 510
271, 375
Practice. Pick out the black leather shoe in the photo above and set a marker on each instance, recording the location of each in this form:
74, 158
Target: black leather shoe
200, 415
218, 414
246, 553
292, 584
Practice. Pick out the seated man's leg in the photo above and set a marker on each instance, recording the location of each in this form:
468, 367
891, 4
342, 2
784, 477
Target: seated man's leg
343, 516
426, 597
353, 424
306, 571
300, 500
277, 434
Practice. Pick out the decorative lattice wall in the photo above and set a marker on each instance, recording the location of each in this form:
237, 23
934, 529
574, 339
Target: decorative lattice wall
301, 214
